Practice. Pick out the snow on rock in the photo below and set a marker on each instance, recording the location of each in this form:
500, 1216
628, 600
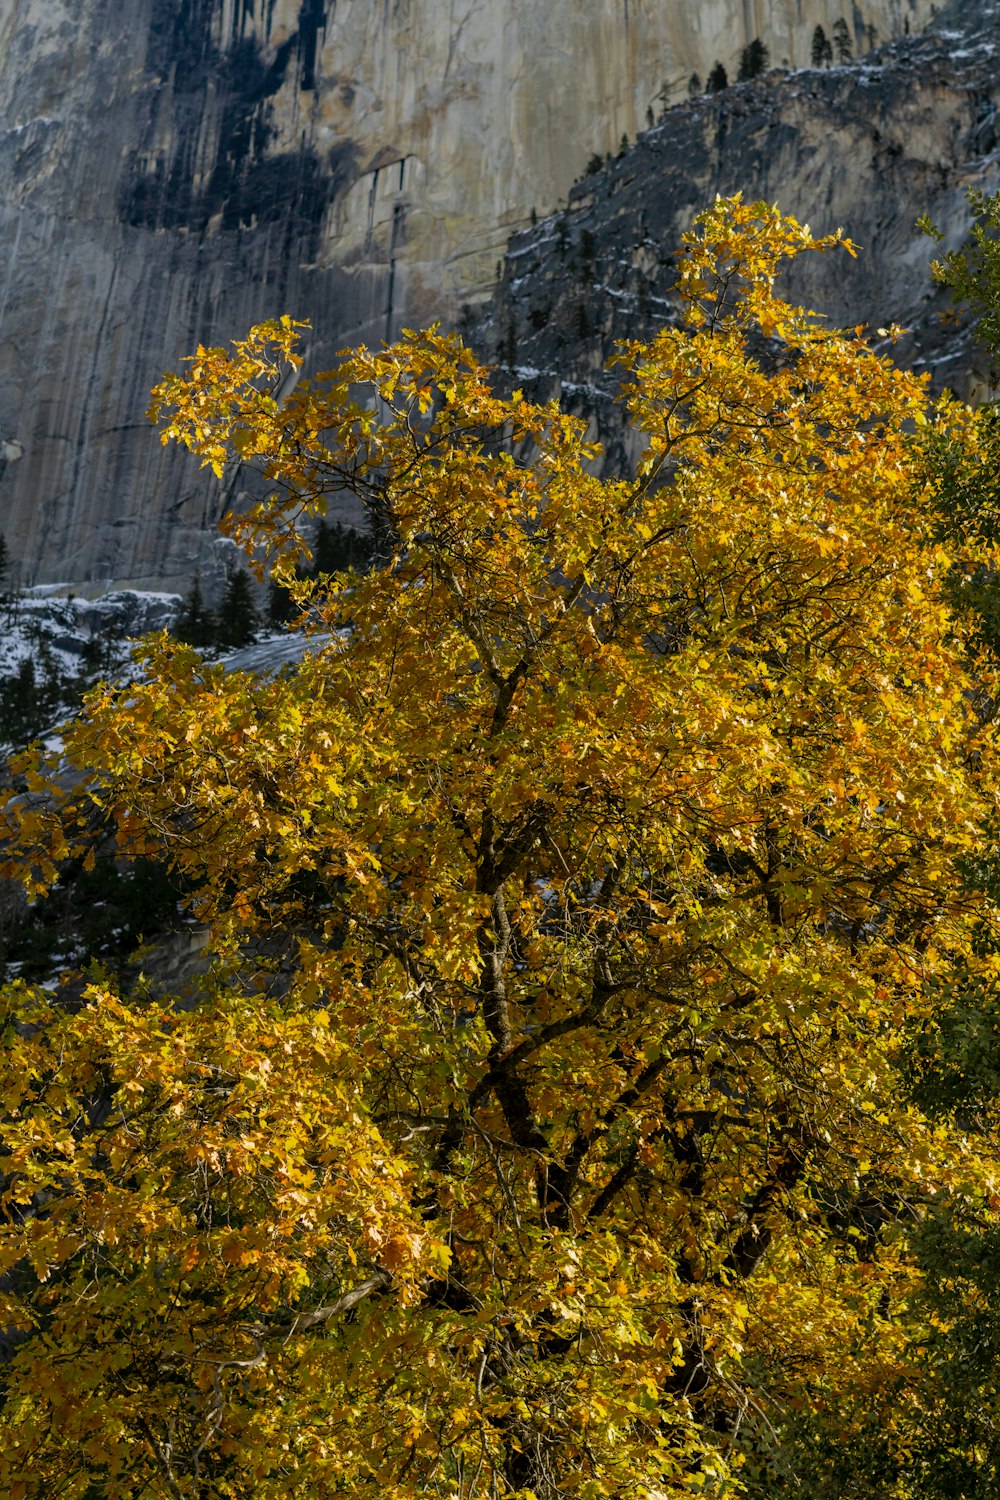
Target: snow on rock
72, 643
75, 636
270, 652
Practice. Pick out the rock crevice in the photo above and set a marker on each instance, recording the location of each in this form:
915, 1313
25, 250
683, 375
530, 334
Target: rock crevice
172, 171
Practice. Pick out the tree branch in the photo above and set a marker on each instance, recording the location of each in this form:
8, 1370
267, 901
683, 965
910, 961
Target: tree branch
322, 1315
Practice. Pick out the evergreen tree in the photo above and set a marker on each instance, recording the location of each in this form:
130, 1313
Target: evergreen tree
338, 548
842, 41
281, 607
9, 591
32, 699
718, 79
694, 85
754, 60
238, 619
195, 624
508, 346
19, 705
822, 52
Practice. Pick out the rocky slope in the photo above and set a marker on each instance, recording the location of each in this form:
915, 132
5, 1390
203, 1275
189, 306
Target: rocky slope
174, 170
869, 147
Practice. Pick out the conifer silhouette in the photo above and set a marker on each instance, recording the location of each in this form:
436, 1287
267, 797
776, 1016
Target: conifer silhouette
754, 60
718, 79
822, 51
842, 44
195, 624
238, 618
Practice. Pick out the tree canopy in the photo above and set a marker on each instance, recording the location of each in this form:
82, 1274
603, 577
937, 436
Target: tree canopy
549, 1122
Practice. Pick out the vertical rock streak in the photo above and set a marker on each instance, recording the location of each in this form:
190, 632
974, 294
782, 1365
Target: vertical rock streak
213, 162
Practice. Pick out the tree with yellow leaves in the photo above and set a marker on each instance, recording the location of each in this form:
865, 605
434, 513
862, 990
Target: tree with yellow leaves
541, 1127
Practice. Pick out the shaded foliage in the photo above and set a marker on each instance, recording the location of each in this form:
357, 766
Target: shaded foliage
548, 1123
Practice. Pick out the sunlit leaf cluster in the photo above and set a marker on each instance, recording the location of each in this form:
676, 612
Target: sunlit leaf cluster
545, 1125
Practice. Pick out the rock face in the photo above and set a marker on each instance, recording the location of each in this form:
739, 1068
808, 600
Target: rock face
173, 170
144, 206
868, 147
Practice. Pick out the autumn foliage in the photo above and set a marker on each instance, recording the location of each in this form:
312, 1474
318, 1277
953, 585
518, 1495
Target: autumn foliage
545, 1124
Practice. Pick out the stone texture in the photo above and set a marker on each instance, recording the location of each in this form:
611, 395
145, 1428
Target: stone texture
869, 147
143, 210
173, 170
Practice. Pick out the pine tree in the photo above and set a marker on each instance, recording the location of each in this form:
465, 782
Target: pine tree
54, 689
195, 624
100, 654
754, 60
842, 41
822, 52
718, 79
337, 548
19, 705
508, 346
694, 85
281, 607
10, 594
238, 619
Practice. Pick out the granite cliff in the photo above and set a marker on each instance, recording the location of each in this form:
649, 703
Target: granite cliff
173, 170
870, 147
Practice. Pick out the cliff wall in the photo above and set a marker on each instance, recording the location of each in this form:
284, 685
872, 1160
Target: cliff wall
868, 147
173, 170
